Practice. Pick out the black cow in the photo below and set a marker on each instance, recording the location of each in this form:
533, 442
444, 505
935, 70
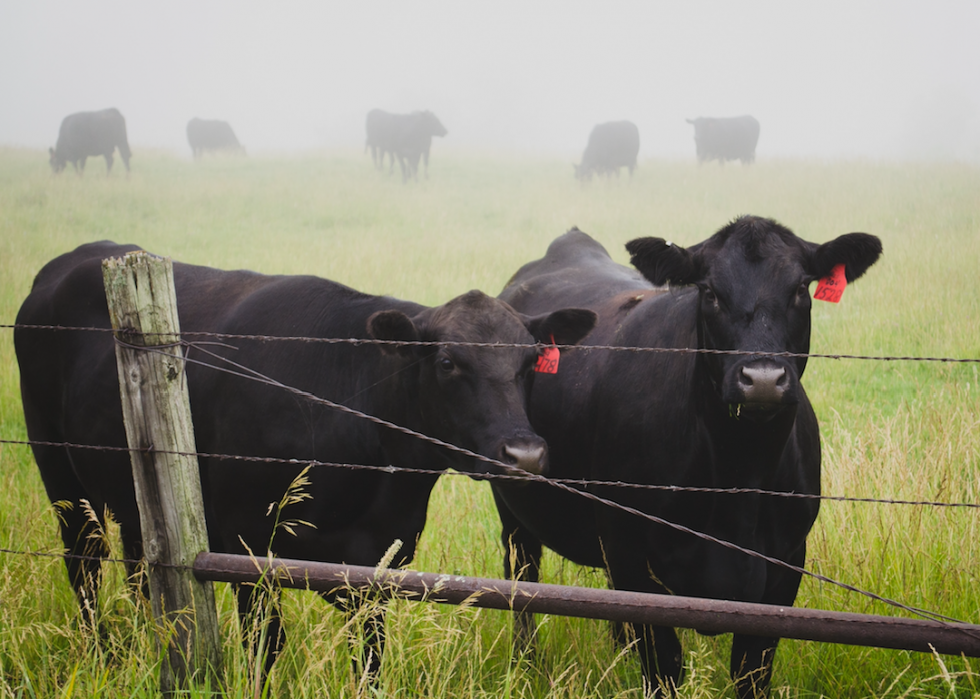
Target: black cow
473, 397
379, 125
611, 146
212, 135
90, 133
407, 137
733, 138
680, 419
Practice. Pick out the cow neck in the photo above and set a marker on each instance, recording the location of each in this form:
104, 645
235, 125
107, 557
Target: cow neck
748, 452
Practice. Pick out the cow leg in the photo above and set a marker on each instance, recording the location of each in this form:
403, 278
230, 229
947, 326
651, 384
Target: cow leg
132, 541
260, 619
367, 655
85, 547
658, 646
369, 648
522, 561
660, 660
751, 665
108, 163
752, 656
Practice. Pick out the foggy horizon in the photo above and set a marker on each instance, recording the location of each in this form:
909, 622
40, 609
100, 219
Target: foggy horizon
882, 80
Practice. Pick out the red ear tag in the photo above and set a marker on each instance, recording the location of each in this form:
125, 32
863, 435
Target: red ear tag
832, 288
548, 360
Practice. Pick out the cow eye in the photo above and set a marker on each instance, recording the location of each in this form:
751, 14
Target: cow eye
804, 290
709, 295
446, 364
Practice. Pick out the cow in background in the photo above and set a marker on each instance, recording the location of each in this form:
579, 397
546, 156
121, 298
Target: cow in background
407, 137
85, 134
733, 138
611, 146
212, 135
380, 133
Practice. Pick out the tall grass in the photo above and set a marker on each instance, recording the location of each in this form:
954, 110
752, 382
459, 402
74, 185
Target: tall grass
890, 429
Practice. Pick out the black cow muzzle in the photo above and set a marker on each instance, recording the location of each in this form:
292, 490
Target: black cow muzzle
525, 455
760, 387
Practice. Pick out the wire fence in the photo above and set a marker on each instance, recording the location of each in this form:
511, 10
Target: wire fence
578, 487
356, 341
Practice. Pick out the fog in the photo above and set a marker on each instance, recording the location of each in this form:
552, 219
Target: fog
840, 79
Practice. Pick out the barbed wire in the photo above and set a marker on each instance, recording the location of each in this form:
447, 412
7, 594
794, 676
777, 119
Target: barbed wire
583, 482
504, 345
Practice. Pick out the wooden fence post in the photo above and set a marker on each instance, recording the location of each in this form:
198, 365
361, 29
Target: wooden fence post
156, 408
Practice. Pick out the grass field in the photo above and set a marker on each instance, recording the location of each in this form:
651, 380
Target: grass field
900, 429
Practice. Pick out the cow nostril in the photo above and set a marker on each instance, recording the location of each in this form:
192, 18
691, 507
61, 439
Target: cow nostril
744, 377
529, 459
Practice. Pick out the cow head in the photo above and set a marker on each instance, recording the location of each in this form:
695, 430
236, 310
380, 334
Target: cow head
56, 161
476, 397
432, 124
753, 280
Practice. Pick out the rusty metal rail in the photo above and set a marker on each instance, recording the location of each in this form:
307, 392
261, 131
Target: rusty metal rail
710, 616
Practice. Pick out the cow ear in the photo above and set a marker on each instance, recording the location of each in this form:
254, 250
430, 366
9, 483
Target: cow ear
394, 326
856, 251
662, 262
565, 327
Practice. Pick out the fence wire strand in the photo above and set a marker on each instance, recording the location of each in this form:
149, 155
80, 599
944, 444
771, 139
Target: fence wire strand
581, 347
391, 468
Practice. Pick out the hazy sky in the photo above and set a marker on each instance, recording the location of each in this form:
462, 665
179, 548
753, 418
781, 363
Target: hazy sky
875, 79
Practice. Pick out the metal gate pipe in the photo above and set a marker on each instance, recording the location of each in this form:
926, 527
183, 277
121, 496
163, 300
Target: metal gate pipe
707, 616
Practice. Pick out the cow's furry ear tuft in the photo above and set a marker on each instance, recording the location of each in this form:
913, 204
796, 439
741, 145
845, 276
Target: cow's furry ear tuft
856, 251
662, 262
394, 326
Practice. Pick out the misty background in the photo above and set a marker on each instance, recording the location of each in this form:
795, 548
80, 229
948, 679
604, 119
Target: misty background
839, 79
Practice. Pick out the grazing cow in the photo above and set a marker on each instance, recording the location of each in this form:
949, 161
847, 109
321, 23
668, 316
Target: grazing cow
733, 138
473, 397
680, 419
212, 135
90, 133
407, 137
611, 146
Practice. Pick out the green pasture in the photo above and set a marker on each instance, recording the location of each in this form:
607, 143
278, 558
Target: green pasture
896, 429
